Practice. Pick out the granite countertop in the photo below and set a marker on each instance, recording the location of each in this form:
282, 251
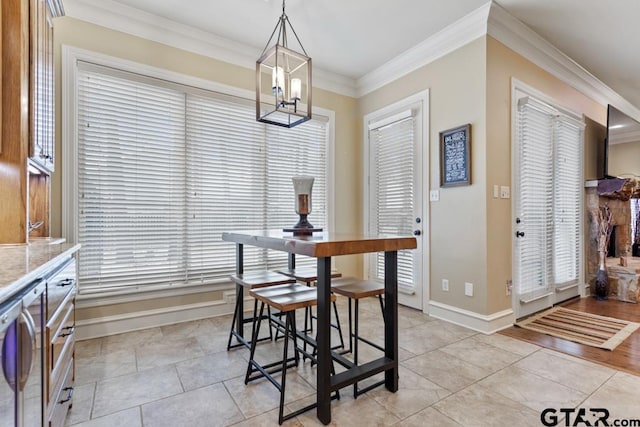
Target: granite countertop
22, 264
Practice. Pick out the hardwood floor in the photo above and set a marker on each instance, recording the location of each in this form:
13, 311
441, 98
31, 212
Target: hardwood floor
625, 357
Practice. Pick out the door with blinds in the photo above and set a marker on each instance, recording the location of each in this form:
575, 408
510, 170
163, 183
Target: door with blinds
548, 205
395, 188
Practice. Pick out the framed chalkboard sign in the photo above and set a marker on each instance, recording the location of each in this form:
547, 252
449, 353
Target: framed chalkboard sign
455, 156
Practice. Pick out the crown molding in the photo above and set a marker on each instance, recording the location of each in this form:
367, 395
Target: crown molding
463, 31
514, 34
489, 19
126, 19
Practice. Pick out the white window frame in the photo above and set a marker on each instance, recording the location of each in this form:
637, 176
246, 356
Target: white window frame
70, 57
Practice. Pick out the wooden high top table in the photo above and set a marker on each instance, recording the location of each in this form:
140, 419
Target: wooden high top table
323, 246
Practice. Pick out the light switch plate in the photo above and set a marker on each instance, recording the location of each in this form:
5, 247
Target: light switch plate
505, 192
468, 289
496, 192
434, 195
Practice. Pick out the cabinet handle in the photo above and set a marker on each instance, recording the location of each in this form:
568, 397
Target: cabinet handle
69, 391
27, 340
66, 282
69, 330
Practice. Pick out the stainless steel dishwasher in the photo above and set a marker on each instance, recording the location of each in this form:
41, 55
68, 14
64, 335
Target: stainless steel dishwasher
21, 386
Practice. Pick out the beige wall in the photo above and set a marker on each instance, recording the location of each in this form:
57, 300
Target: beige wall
502, 65
457, 241
347, 202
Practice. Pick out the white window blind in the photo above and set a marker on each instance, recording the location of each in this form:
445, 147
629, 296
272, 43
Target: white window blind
392, 148
226, 183
535, 196
566, 207
131, 183
164, 170
550, 153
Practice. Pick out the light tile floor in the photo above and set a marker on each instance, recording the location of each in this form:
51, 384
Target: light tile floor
182, 375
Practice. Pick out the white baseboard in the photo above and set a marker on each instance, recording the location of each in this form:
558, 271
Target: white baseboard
120, 323
487, 324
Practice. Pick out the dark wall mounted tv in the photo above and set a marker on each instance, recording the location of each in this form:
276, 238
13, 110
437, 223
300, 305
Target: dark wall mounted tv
622, 146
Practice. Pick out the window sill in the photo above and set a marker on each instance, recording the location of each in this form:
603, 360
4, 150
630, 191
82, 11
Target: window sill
98, 299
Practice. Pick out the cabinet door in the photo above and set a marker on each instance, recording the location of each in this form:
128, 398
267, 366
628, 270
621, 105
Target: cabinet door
41, 85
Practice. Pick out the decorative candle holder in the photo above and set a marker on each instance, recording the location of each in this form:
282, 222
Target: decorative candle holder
302, 186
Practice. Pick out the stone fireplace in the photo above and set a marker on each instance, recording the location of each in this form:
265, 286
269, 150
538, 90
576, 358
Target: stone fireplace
623, 269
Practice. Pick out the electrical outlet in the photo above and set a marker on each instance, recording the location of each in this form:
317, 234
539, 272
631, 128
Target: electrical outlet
509, 285
468, 289
445, 285
434, 195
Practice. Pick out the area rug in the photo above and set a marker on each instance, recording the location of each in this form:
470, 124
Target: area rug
577, 326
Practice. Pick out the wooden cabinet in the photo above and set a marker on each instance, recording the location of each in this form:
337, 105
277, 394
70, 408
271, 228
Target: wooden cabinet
15, 121
37, 330
59, 341
1, 33
27, 141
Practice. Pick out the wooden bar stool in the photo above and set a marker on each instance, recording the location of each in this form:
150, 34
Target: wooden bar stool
308, 276
286, 299
356, 290
250, 281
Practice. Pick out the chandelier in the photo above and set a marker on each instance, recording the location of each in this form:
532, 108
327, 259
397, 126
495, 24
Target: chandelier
283, 79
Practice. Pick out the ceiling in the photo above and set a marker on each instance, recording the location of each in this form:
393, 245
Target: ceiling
352, 38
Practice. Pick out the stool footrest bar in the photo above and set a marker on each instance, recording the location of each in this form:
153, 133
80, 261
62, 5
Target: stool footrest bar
360, 372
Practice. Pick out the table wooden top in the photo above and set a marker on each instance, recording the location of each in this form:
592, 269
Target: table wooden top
323, 244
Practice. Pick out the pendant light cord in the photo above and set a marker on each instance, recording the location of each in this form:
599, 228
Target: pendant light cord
282, 32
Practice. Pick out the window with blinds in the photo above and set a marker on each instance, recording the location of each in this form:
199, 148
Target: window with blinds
392, 183
164, 169
550, 161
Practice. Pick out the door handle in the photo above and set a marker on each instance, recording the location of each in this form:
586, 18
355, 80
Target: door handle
519, 233
417, 232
